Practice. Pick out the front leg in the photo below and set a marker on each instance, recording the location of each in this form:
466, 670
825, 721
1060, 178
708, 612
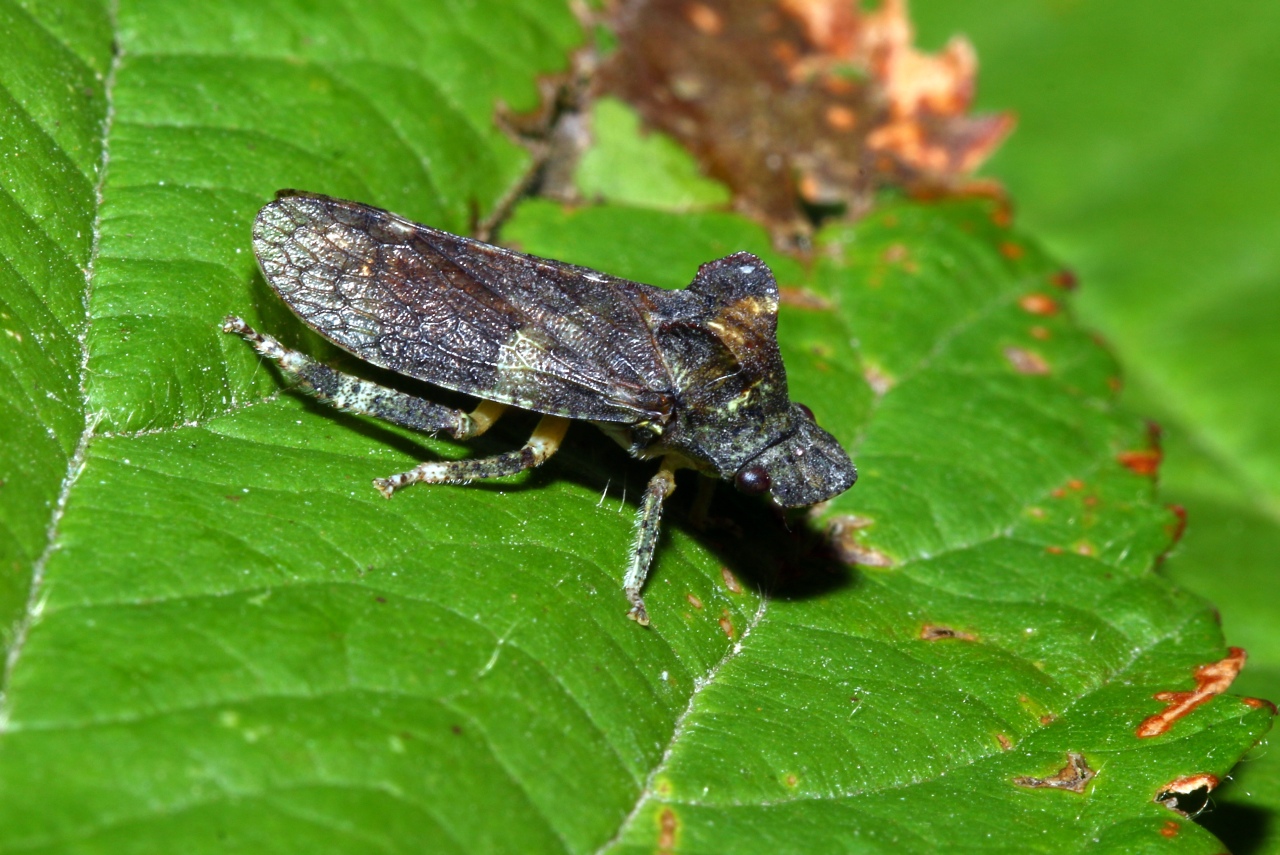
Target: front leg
648, 523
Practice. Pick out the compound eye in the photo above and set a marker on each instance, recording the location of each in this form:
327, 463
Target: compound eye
752, 481
808, 412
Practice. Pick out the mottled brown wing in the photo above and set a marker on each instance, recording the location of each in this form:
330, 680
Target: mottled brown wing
538, 334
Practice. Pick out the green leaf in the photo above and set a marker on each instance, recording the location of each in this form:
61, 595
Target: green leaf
54, 106
632, 166
1145, 155
233, 643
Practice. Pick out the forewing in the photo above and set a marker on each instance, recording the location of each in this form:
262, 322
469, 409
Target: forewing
476, 318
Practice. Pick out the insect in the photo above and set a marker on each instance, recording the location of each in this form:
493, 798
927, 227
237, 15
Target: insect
691, 378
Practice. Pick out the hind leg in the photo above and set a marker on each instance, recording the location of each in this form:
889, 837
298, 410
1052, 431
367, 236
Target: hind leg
345, 392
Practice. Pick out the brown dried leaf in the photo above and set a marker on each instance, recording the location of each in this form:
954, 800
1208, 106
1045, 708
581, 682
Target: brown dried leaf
804, 102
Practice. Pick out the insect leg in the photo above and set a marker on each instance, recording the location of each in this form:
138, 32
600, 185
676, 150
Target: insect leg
544, 443
346, 392
660, 486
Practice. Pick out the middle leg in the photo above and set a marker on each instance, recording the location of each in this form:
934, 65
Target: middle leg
544, 443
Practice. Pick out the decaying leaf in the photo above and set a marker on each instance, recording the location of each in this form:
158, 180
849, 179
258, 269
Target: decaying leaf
804, 102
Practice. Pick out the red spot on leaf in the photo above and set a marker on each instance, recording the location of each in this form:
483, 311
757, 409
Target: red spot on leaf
1073, 777
1179, 524
1211, 679
1075, 484
1053, 550
1169, 829
1065, 279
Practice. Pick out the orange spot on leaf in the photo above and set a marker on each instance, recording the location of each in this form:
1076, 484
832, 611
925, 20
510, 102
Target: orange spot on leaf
1169, 829
1259, 703
842, 536
1039, 304
668, 828
1145, 461
730, 581
1012, 251
1211, 679
935, 632
726, 624
895, 253
693, 601
1026, 361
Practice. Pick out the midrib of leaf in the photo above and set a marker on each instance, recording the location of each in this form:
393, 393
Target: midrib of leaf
76, 461
647, 790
